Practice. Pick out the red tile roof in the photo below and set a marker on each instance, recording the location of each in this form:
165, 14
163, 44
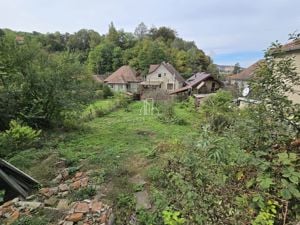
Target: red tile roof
291, 46
124, 75
246, 74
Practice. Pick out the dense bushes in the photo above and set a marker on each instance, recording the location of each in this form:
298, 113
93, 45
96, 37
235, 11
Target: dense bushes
218, 111
17, 138
168, 115
244, 169
37, 87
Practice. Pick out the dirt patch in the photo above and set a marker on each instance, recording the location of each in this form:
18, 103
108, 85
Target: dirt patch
136, 164
145, 133
45, 170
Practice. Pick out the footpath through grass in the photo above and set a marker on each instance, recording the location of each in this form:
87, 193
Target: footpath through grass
116, 145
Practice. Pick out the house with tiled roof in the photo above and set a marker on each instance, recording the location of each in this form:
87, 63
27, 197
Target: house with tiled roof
200, 83
125, 79
291, 49
163, 76
241, 80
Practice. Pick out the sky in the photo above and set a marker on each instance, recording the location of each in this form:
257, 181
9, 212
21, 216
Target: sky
229, 31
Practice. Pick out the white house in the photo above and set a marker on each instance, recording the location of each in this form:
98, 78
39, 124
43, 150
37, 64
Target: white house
163, 76
125, 79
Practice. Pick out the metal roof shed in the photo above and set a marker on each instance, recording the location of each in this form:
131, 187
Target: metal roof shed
15, 182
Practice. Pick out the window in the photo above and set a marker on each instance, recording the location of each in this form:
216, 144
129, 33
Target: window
170, 86
159, 75
213, 86
165, 74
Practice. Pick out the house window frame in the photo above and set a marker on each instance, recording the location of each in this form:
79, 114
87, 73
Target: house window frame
159, 75
168, 84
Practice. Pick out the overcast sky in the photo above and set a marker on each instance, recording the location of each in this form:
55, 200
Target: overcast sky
229, 31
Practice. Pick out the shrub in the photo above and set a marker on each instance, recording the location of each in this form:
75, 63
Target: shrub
172, 217
84, 193
26, 220
19, 137
168, 115
107, 92
218, 111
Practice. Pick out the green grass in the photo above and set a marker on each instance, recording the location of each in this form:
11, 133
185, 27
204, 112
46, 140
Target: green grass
121, 134
116, 145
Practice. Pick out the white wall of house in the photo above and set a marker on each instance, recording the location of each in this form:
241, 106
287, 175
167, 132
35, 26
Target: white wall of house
168, 80
296, 96
133, 87
118, 87
130, 87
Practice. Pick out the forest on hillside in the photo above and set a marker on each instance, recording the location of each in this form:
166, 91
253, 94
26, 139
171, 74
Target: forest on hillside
217, 164
46, 77
104, 53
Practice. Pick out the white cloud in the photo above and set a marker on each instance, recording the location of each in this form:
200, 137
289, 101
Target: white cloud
216, 25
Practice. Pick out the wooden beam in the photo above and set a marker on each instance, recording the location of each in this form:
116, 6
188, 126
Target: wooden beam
13, 184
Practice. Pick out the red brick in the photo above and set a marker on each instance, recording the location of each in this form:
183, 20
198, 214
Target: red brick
81, 207
76, 185
75, 217
96, 207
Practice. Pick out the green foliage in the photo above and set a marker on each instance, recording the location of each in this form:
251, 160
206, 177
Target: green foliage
37, 87
242, 162
100, 60
218, 111
267, 214
276, 79
237, 68
27, 220
168, 115
17, 138
83, 193
172, 217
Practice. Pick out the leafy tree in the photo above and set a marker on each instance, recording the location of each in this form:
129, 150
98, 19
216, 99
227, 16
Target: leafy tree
213, 70
237, 68
275, 80
165, 33
79, 41
117, 58
113, 35
141, 31
36, 87
181, 44
100, 60
147, 52
197, 60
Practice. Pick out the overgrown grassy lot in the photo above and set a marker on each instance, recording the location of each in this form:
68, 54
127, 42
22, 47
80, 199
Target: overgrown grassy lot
116, 145
220, 165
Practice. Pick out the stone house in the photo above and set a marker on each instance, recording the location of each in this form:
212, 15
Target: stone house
163, 76
200, 86
125, 79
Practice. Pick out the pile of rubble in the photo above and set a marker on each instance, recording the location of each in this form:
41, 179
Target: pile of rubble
89, 212
11, 211
80, 180
86, 212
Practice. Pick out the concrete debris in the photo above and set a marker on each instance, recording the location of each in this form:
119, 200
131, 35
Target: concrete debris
87, 212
